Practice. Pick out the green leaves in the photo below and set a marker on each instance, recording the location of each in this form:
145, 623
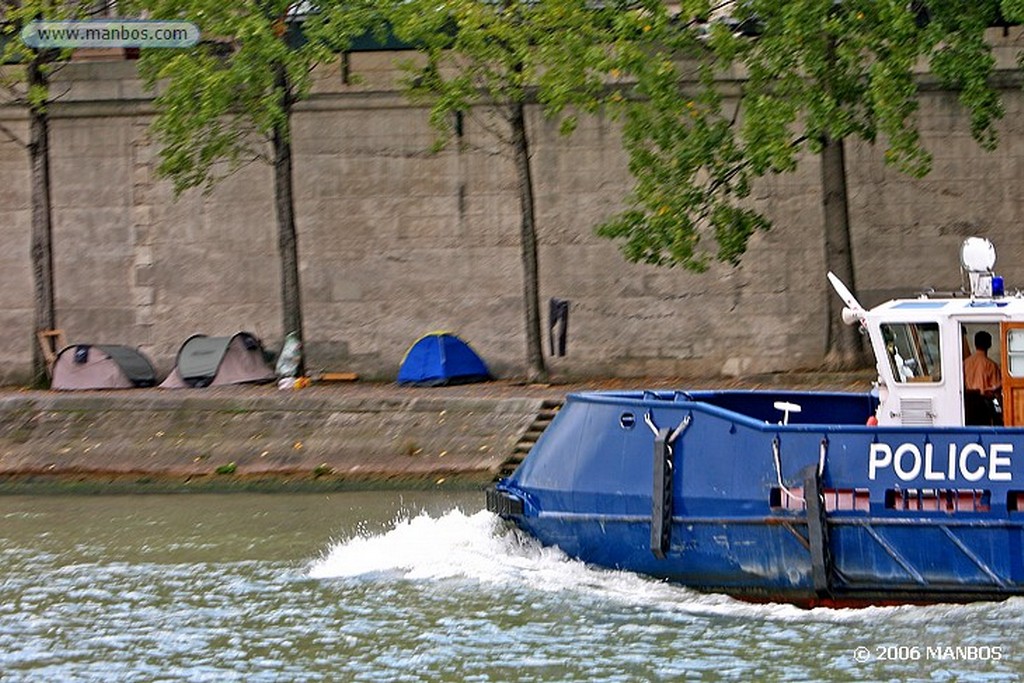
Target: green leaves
220, 101
812, 69
705, 108
963, 61
688, 171
559, 53
1012, 10
21, 87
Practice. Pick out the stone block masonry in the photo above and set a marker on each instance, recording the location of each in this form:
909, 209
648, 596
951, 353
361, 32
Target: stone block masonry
148, 441
395, 242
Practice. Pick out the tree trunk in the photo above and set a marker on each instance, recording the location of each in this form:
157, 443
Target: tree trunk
844, 348
287, 240
536, 369
45, 317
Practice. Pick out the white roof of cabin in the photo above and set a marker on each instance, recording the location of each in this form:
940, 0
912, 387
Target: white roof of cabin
912, 310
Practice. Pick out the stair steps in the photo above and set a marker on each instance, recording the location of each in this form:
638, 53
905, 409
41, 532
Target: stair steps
548, 409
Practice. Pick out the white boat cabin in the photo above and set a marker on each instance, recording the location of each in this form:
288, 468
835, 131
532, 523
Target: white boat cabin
920, 346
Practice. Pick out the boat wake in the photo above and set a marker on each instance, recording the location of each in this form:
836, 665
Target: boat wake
477, 547
481, 548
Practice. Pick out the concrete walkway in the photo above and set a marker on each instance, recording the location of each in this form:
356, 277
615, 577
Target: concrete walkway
326, 436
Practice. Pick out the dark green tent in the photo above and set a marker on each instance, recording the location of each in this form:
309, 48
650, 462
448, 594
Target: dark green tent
215, 361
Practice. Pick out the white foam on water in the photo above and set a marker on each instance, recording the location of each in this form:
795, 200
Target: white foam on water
482, 548
455, 544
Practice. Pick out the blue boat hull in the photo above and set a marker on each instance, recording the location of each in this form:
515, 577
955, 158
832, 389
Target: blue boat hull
706, 489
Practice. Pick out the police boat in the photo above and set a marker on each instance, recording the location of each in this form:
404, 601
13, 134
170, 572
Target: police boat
910, 493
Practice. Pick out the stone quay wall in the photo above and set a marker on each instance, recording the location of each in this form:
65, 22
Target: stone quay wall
396, 242
239, 438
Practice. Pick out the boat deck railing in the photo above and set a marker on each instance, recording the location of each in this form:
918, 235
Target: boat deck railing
812, 407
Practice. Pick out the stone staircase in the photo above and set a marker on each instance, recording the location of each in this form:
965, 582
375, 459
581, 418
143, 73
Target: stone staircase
548, 409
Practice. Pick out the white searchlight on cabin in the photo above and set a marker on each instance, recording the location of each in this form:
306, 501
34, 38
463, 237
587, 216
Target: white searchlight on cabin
977, 258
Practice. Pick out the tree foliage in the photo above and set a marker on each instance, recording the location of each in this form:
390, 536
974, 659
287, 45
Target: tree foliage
220, 101
18, 87
1012, 12
689, 169
772, 83
557, 53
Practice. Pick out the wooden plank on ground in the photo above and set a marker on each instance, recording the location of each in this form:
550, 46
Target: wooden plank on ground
338, 377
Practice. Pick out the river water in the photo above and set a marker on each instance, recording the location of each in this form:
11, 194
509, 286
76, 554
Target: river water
412, 586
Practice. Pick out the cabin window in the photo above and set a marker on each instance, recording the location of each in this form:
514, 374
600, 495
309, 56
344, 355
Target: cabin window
1015, 352
913, 351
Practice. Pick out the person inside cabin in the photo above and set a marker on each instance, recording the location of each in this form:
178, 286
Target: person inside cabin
983, 382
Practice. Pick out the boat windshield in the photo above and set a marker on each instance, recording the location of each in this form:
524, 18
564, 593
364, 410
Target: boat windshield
913, 351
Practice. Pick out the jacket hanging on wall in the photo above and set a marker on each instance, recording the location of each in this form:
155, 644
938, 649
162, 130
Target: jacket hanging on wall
558, 326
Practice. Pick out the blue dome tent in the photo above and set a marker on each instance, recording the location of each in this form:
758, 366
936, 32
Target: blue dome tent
441, 358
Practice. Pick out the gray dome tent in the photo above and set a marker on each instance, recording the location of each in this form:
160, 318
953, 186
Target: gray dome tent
101, 366
215, 361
